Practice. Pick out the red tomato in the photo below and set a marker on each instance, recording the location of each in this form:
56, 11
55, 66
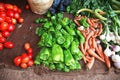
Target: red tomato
30, 55
30, 63
5, 33
15, 8
3, 26
17, 60
20, 20
10, 13
11, 27
14, 21
25, 59
8, 6
23, 65
27, 46
30, 50
1, 34
16, 15
9, 44
2, 19
3, 14
24, 55
19, 10
8, 20
27, 7
2, 39
1, 46
2, 7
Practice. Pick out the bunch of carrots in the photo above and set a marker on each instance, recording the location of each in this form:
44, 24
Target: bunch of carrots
91, 48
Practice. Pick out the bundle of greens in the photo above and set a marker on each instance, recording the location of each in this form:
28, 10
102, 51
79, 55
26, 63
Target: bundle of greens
59, 43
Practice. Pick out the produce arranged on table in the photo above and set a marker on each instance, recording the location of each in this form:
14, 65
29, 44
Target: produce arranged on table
94, 33
25, 60
99, 24
91, 29
109, 17
9, 16
59, 43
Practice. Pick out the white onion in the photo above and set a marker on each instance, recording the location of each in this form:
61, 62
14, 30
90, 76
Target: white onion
102, 37
117, 65
108, 52
115, 58
116, 48
112, 36
108, 38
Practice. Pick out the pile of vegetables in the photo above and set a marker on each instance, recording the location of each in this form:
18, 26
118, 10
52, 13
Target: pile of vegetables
100, 38
9, 16
59, 43
107, 12
25, 60
91, 29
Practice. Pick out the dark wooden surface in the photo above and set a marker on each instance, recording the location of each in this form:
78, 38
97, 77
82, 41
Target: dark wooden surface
25, 32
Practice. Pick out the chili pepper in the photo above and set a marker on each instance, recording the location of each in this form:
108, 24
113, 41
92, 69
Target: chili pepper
70, 31
84, 23
81, 37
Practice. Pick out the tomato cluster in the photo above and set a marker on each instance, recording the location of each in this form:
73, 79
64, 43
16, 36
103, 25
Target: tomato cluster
9, 16
25, 59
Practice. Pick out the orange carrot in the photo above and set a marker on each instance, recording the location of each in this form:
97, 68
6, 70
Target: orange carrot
92, 53
95, 20
99, 52
88, 58
100, 29
90, 43
86, 46
89, 22
94, 42
91, 28
107, 61
91, 63
84, 59
100, 49
82, 48
102, 13
89, 35
77, 22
